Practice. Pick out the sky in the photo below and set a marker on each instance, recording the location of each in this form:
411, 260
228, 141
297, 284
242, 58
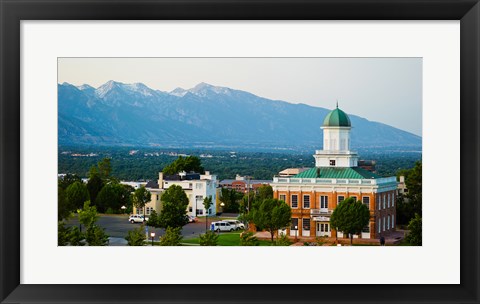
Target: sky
386, 90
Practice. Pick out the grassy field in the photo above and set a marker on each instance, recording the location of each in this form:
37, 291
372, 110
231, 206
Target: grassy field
226, 239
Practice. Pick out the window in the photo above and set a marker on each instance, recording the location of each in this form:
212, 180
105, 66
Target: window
379, 225
200, 211
139, 210
306, 224
384, 201
283, 197
354, 197
294, 223
324, 202
388, 222
324, 227
393, 221
341, 198
190, 209
366, 202
294, 201
198, 186
388, 201
393, 201
332, 162
306, 201
379, 203
383, 223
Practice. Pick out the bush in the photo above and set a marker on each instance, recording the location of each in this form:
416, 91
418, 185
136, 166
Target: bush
414, 236
172, 237
136, 237
210, 238
282, 241
248, 239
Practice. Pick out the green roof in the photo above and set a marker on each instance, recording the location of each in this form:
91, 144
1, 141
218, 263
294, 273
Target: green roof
337, 118
337, 172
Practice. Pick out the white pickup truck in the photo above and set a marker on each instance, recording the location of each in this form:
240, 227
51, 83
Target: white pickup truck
137, 218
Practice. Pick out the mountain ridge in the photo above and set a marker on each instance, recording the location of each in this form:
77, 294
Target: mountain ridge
116, 113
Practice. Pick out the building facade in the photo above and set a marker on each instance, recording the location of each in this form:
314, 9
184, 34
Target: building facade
313, 194
196, 186
243, 183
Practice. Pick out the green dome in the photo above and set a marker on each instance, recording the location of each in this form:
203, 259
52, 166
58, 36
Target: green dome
337, 118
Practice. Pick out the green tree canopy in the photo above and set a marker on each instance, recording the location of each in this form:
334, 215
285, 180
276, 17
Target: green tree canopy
94, 235
187, 164
94, 186
413, 181
77, 195
64, 208
67, 180
264, 192
272, 215
210, 238
207, 203
136, 237
231, 200
174, 208
414, 236
172, 237
112, 197
350, 216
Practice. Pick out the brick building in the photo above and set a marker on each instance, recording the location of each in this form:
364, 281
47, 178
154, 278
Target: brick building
313, 194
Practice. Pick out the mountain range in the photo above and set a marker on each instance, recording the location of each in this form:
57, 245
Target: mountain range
120, 114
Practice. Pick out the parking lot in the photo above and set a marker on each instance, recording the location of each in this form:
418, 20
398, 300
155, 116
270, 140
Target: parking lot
117, 226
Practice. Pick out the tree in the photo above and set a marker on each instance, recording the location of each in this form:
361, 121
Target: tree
70, 236
207, 203
141, 197
413, 182
350, 216
264, 192
248, 239
112, 197
136, 237
172, 237
414, 236
210, 238
77, 194
174, 209
272, 215
94, 235
283, 241
94, 186
64, 208
153, 220
105, 168
67, 180
187, 164
230, 198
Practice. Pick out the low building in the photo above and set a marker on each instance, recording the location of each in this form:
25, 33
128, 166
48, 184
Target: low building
196, 186
291, 172
242, 183
314, 194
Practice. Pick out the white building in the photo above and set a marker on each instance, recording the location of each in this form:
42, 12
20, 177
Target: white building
196, 186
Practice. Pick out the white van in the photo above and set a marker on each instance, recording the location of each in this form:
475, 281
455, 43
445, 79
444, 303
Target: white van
236, 224
221, 226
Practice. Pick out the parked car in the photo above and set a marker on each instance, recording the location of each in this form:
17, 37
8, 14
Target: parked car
221, 226
137, 218
192, 219
235, 223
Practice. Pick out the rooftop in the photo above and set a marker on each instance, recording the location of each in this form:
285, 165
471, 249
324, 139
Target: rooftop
338, 172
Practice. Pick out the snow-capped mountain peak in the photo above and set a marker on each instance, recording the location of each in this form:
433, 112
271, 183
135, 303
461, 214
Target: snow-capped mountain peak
180, 92
202, 89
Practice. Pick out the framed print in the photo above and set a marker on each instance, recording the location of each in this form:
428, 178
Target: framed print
392, 77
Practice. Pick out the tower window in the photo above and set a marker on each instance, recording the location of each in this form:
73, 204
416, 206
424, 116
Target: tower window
332, 162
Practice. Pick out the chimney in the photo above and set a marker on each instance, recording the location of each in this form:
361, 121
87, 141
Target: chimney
207, 172
402, 179
160, 180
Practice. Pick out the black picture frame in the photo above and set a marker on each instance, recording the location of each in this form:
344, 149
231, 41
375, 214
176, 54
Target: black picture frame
13, 11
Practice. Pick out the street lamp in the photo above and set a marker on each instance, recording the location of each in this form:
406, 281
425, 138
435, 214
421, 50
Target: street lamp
222, 205
152, 235
123, 209
296, 229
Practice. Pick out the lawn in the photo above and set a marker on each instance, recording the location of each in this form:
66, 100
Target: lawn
226, 239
